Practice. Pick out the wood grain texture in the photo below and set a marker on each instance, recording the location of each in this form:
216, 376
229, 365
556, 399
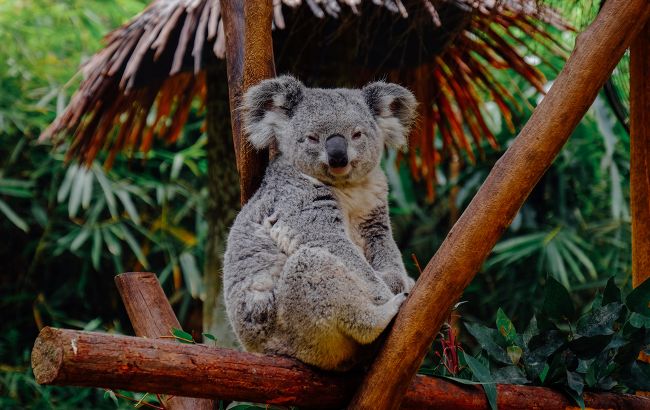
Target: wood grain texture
152, 316
597, 51
70, 357
640, 155
249, 60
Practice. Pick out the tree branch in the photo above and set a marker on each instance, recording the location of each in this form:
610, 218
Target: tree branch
469, 242
71, 357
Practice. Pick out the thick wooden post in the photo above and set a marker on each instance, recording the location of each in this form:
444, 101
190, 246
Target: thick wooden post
152, 316
640, 155
597, 51
71, 357
249, 59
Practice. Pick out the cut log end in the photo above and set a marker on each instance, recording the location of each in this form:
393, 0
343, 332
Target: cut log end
47, 356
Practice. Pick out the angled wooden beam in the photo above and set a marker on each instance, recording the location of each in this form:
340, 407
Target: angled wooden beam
249, 60
598, 49
152, 316
71, 357
640, 155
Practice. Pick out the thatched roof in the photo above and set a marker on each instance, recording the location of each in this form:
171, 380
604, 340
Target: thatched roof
141, 84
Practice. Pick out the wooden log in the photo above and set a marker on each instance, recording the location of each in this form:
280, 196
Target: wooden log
597, 51
71, 357
249, 59
640, 155
152, 316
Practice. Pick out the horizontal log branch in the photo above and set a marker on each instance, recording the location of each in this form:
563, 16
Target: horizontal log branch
70, 357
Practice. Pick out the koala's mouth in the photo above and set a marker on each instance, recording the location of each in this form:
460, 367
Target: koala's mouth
340, 171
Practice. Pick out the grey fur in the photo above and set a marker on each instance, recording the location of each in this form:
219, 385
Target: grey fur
311, 269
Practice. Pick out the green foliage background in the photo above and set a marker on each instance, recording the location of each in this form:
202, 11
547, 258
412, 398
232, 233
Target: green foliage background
67, 231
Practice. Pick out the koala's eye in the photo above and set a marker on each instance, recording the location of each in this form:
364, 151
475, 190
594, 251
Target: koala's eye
357, 135
313, 138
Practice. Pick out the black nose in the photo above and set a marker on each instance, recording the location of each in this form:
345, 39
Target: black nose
337, 151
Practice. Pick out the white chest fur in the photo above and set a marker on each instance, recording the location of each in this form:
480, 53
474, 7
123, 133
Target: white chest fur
357, 201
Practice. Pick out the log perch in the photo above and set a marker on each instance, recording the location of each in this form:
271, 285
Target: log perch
70, 357
152, 316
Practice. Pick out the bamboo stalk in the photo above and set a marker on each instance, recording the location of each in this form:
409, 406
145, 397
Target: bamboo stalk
595, 55
640, 155
71, 357
152, 316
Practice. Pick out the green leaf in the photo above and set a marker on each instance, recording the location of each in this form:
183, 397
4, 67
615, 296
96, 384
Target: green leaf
210, 337
599, 321
576, 397
611, 293
544, 372
482, 374
638, 320
96, 252
575, 382
505, 326
130, 208
639, 299
13, 217
191, 274
557, 301
487, 339
182, 336
135, 247
514, 353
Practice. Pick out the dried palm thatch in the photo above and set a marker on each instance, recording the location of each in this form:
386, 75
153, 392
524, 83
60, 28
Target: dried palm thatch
141, 85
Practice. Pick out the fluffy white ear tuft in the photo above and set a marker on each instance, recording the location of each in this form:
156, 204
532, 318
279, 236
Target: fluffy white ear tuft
394, 108
268, 106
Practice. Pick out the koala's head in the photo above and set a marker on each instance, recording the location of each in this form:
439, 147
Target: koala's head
334, 135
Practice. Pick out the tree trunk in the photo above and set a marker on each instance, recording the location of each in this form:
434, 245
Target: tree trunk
597, 51
223, 202
640, 155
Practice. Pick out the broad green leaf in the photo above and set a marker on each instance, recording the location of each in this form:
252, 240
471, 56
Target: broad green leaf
514, 353
611, 293
182, 336
575, 382
599, 321
487, 339
210, 336
482, 374
505, 327
638, 320
557, 301
639, 299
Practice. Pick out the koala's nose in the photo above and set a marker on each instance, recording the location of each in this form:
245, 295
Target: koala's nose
337, 150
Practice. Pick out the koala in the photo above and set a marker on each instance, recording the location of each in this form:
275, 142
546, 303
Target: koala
311, 269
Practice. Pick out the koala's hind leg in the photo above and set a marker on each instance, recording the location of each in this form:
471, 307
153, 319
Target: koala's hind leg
322, 294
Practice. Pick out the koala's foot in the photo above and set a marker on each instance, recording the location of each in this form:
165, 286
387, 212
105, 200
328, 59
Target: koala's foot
371, 320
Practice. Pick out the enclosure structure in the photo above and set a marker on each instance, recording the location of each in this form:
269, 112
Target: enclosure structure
66, 357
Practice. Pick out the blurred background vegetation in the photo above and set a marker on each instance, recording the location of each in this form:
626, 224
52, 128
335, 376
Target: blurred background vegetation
67, 230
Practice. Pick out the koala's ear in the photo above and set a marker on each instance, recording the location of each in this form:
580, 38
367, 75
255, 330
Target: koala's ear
394, 109
268, 106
